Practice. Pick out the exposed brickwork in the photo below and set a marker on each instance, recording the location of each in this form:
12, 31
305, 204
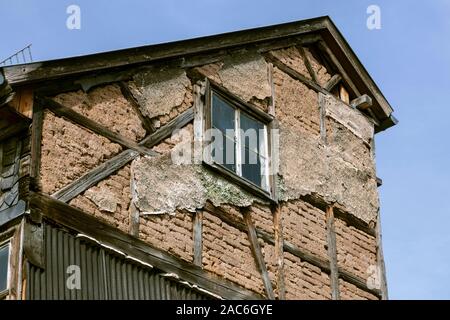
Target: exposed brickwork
356, 250
296, 106
109, 200
262, 217
321, 72
270, 259
227, 253
350, 292
305, 227
107, 106
171, 233
69, 151
293, 59
304, 281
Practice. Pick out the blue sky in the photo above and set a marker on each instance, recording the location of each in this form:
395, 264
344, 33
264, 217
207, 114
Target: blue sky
409, 58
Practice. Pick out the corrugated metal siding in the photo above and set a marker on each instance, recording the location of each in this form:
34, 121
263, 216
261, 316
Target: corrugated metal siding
104, 274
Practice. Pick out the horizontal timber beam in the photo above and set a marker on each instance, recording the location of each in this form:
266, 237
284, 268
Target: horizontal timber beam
84, 223
323, 264
83, 121
107, 168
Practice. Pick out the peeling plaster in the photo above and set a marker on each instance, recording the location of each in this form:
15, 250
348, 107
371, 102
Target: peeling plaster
245, 74
185, 187
349, 117
308, 166
158, 91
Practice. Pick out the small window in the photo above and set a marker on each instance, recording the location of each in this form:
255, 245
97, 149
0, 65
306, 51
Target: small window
239, 141
4, 266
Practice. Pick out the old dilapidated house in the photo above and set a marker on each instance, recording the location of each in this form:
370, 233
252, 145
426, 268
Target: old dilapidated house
94, 203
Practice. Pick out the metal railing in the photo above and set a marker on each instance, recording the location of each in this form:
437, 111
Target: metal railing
21, 56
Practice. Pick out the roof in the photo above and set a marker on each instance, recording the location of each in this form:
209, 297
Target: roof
323, 26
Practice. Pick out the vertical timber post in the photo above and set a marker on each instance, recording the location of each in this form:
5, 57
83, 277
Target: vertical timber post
332, 254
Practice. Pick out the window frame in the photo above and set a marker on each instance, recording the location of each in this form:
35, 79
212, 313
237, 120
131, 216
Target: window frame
7, 243
257, 114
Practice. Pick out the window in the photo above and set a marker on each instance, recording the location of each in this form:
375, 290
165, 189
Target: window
239, 139
4, 266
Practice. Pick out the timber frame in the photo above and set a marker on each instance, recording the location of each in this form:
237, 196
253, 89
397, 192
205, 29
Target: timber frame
188, 53
110, 68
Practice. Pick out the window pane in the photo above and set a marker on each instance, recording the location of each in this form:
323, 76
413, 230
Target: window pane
222, 115
4, 257
224, 153
250, 132
251, 166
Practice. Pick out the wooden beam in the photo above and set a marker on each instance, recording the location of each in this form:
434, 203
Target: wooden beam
340, 213
380, 261
105, 169
322, 45
146, 123
143, 55
362, 102
307, 63
83, 121
323, 264
332, 82
279, 251
81, 222
36, 145
166, 131
257, 254
97, 174
343, 94
294, 74
197, 236
332, 254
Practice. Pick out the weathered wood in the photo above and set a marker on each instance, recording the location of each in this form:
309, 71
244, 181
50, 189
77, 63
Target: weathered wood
238, 102
23, 101
332, 255
308, 64
332, 82
36, 145
323, 118
165, 131
323, 264
12, 130
362, 102
380, 261
146, 54
97, 174
12, 213
105, 169
343, 94
257, 254
76, 220
197, 236
340, 213
294, 74
279, 251
322, 45
271, 110
83, 121
146, 123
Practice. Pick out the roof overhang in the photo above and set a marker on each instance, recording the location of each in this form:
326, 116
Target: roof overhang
49, 70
